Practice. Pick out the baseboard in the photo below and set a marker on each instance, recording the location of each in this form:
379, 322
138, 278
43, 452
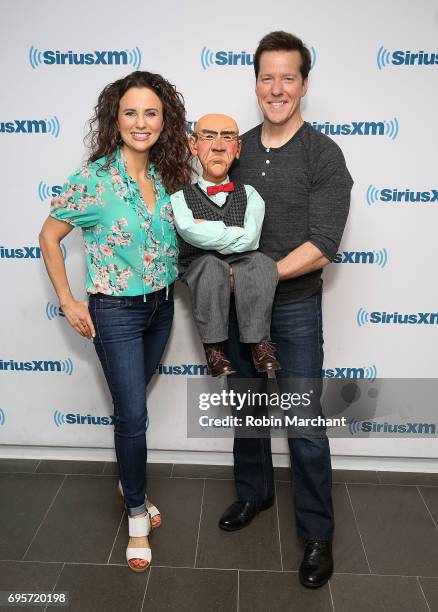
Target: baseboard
390, 464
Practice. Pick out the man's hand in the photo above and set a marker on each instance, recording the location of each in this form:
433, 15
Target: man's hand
78, 315
199, 220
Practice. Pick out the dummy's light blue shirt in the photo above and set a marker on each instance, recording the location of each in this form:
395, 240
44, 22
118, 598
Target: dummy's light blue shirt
215, 235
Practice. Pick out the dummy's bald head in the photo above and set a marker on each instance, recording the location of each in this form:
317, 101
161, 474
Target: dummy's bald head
216, 123
216, 143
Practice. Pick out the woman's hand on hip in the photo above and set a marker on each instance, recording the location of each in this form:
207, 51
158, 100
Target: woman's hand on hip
78, 315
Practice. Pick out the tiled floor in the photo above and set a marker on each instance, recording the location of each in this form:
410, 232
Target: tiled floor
62, 529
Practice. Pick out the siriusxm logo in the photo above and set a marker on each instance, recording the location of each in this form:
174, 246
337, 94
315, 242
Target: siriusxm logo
368, 373
92, 58
183, 369
2, 417
401, 196
379, 258
231, 58
46, 191
225, 58
359, 128
53, 311
405, 58
357, 427
417, 318
26, 252
31, 126
11, 365
81, 419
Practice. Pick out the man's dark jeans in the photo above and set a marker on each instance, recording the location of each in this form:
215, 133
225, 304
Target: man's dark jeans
130, 339
296, 329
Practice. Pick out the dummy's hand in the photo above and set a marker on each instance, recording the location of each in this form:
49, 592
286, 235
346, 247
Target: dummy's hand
78, 315
231, 279
199, 220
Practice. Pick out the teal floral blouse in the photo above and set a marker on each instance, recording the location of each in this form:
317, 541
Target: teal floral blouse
129, 250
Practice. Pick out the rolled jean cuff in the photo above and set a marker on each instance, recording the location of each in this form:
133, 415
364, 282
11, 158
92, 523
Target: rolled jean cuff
137, 510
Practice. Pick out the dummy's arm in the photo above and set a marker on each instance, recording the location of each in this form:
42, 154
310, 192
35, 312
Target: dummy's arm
213, 235
254, 215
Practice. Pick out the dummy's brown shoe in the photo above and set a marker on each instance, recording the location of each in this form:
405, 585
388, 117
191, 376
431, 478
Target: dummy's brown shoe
263, 354
217, 362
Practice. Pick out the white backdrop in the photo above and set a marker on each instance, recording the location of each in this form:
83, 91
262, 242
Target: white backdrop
361, 85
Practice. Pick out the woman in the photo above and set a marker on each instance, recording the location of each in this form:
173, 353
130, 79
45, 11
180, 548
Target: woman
120, 199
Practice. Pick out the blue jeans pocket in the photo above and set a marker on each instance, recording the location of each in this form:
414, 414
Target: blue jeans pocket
107, 303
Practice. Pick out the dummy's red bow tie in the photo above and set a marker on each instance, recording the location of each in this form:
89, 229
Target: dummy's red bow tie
214, 189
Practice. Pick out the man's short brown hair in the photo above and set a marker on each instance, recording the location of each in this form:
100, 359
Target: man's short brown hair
283, 41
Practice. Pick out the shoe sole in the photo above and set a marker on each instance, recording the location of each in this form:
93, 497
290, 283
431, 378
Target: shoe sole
312, 585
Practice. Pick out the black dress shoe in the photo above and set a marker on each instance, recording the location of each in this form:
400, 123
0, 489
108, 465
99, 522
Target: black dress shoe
317, 565
241, 513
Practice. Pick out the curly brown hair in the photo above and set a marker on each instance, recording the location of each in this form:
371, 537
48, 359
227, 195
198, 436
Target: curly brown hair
170, 154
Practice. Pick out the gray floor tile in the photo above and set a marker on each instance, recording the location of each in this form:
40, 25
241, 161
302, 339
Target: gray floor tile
24, 500
174, 543
255, 547
280, 592
191, 590
202, 471
409, 478
70, 467
348, 552
355, 476
376, 594
82, 523
27, 577
430, 495
291, 548
154, 470
430, 590
397, 530
102, 588
18, 465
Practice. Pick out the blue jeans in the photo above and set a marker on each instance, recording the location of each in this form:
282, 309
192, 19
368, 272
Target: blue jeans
130, 339
296, 329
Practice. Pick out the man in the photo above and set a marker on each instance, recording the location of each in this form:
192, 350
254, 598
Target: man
301, 175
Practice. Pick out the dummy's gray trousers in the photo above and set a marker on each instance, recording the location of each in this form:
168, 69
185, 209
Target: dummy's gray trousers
255, 282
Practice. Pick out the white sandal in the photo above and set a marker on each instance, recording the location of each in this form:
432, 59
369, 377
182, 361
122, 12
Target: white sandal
138, 528
152, 510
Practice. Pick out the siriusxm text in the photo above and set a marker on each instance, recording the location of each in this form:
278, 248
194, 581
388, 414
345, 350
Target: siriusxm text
102, 58
418, 318
355, 128
415, 428
355, 257
344, 373
30, 366
407, 195
88, 419
184, 369
410, 58
26, 252
24, 126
